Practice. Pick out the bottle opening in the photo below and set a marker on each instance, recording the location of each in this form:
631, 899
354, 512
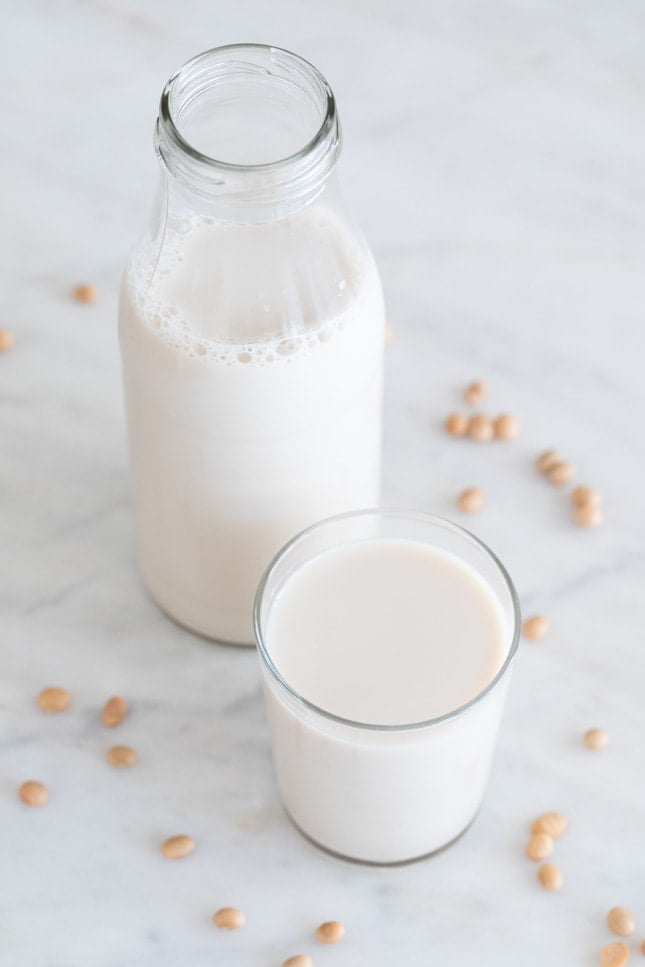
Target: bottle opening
248, 131
247, 105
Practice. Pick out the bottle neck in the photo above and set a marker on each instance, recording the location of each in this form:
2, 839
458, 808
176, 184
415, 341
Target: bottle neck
247, 133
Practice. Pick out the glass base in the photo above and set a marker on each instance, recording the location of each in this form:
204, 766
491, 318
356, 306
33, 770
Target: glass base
384, 864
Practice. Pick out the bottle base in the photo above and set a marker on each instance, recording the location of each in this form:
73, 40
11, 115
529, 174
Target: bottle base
198, 632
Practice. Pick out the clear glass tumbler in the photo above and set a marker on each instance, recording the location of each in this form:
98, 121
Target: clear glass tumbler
383, 794
251, 330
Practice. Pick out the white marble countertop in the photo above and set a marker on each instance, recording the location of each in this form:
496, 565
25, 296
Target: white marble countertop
494, 154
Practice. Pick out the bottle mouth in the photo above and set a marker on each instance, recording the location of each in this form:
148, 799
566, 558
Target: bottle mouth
249, 123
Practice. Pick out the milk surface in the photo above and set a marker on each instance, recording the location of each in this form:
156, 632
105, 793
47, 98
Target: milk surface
384, 632
387, 632
252, 359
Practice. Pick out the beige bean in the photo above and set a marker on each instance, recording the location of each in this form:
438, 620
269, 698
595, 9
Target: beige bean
539, 846
470, 500
550, 876
6, 340
85, 293
33, 793
114, 711
480, 428
621, 922
554, 824
298, 960
456, 424
229, 918
53, 699
330, 932
535, 627
643, 948
596, 739
583, 496
506, 427
587, 516
561, 473
176, 847
474, 393
614, 954
121, 756
546, 460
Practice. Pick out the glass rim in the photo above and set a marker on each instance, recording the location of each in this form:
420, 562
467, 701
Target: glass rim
328, 122
410, 515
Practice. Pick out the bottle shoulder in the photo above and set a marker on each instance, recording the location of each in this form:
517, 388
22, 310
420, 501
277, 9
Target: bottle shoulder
249, 282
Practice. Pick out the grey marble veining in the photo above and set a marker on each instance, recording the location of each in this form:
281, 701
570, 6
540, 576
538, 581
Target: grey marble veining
494, 155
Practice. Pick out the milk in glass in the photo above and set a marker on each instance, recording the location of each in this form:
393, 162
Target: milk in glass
385, 640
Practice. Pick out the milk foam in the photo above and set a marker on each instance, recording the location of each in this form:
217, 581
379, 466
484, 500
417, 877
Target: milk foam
159, 305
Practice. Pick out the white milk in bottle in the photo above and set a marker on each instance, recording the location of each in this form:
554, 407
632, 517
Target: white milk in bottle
252, 329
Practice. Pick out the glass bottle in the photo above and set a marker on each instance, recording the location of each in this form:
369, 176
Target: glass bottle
252, 330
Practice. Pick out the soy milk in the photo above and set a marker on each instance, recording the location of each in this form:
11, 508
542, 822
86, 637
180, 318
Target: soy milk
249, 417
387, 632
382, 636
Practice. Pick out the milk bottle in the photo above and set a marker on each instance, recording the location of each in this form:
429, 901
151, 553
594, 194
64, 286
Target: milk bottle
252, 330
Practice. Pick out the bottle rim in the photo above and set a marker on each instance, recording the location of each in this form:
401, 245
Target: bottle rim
208, 58
249, 190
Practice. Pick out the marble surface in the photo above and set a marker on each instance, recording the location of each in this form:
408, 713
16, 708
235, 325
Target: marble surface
494, 155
